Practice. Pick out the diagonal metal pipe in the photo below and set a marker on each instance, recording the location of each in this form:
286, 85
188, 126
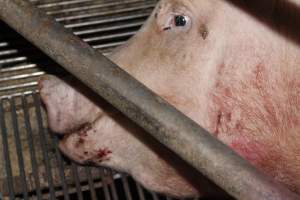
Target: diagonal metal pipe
169, 126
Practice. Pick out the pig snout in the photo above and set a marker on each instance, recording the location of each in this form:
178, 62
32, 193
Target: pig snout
104, 137
67, 108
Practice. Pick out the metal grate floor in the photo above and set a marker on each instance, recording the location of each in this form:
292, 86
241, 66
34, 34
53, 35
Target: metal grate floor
31, 166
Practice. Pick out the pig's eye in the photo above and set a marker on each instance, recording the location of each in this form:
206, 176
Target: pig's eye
180, 20
175, 22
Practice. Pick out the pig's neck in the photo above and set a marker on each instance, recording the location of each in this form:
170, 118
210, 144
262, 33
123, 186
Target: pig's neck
252, 103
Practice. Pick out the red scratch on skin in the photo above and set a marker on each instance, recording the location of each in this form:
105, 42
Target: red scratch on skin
261, 83
102, 154
249, 150
258, 153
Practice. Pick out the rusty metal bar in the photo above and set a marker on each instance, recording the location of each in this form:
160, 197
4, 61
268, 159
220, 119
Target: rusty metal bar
173, 129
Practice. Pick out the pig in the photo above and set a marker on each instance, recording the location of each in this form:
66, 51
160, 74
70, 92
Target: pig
225, 69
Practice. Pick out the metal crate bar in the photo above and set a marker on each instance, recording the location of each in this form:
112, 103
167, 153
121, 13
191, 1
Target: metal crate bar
82, 16
31, 148
77, 181
104, 21
19, 148
155, 115
6, 152
94, 6
44, 145
61, 3
111, 28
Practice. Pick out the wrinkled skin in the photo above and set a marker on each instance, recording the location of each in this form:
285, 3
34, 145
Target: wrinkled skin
224, 69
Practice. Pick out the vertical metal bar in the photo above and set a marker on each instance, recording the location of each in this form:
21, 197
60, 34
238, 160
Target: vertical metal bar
140, 191
104, 183
9, 176
114, 191
44, 145
113, 185
61, 169
154, 195
126, 187
31, 149
19, 148
54, 143
91, 183
77, 181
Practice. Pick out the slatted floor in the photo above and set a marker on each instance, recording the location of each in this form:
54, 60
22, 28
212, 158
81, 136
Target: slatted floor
31, 166
46, 174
